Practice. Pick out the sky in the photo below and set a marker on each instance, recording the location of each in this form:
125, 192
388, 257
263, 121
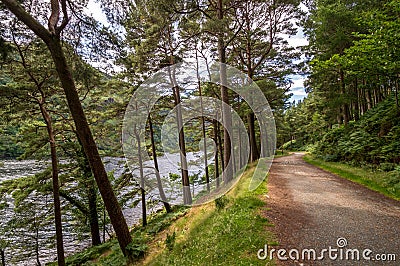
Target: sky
297, 88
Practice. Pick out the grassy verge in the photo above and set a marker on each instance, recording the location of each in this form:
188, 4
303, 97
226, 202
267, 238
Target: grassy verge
228, 231
383, 182
109, 252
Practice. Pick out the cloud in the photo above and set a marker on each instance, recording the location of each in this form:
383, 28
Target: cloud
297, 40
298, 91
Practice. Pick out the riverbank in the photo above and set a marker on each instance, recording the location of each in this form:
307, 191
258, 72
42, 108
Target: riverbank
229, 231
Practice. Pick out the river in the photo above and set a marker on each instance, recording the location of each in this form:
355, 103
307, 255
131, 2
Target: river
23, 242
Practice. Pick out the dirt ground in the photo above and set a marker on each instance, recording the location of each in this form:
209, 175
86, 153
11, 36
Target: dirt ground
338, 219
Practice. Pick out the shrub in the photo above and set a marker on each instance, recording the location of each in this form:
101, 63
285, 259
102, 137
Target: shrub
221, 202
137, 249
387, 167
170, 241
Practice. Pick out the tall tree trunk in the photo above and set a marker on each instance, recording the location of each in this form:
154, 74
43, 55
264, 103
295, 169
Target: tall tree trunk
221, 151
37, 245
141, 175
52, 39
226, 113
159, 183
369, 99
203, 125
93, 214
397, 92
91, 194
216, 169
85, 136
356, 101
56, 187
345, 108
3, 257
240, 150
187, 197
254, 153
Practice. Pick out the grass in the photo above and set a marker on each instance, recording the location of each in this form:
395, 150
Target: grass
385, 183
228, 231
109, 252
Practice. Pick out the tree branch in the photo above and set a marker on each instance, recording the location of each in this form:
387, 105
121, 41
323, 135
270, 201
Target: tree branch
65, 17
27, 19
54, 17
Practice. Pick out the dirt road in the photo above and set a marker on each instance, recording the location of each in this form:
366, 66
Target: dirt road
341, 221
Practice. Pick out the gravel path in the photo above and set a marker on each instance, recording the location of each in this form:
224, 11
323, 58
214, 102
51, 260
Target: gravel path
312, 209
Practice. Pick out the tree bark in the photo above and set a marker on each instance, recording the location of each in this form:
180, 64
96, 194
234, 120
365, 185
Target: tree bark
53, 43
91, 194
85, 136
254, 153
203, 124
226, 113
187, 197
3, 257
93, 214
37, 246
167, 206
345, 108
141, 174
216, 141
56, 187
356, 101
397, 93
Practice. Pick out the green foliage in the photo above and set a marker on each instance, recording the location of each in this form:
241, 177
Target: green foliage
88, 254
9, 147
109, 253
387, 167
230, 237
170, 241
221, 202
136, 248
374, 139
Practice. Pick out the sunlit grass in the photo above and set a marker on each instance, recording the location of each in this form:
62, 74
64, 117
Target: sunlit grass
225, 236
382, 182
203, 235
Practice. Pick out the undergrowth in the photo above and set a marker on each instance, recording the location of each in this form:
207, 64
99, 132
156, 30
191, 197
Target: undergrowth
229, 231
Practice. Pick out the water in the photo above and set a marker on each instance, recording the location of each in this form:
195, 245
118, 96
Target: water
13, 169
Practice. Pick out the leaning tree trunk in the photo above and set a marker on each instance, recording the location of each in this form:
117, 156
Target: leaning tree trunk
52, 39
85, 135
56, 187
159, 183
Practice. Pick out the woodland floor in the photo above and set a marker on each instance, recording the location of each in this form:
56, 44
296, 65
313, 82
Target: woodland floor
312, 208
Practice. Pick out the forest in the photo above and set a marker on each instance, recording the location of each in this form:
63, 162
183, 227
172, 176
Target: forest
122, 112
